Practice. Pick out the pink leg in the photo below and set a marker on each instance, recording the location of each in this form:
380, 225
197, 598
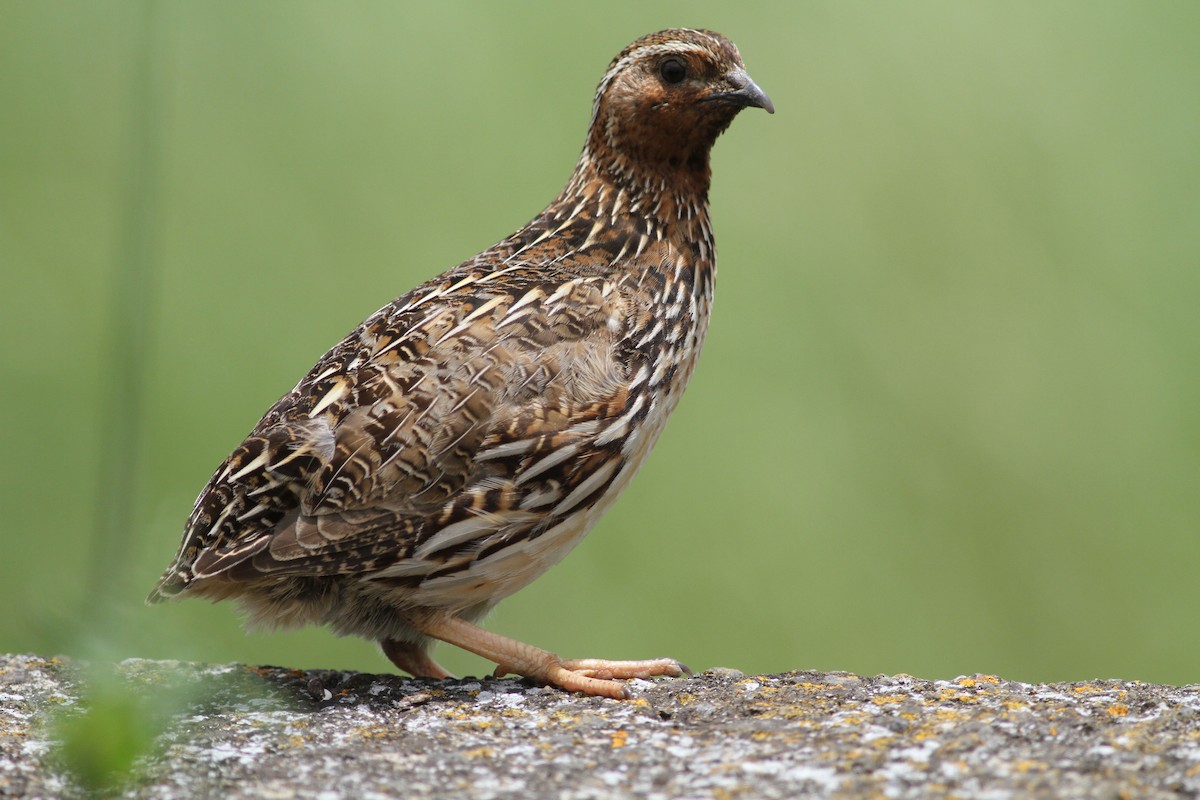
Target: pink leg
413, 659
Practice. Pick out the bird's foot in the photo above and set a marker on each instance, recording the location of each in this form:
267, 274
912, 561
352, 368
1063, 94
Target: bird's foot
623, 670
597, 675
587, 675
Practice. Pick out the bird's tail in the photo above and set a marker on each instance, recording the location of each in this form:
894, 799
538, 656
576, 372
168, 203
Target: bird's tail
170, 585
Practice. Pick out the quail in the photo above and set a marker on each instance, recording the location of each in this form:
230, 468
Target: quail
467, 435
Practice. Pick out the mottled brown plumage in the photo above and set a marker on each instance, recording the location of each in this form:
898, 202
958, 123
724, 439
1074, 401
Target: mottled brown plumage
467, 435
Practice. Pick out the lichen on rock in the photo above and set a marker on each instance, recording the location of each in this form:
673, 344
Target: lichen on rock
238, 731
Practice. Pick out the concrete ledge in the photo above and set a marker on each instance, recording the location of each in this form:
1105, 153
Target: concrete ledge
253, 732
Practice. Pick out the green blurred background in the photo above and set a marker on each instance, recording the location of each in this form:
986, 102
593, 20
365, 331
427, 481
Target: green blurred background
947, 419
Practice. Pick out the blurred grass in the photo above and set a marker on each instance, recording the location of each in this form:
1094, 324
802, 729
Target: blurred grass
100, 740
946, 421
124, 709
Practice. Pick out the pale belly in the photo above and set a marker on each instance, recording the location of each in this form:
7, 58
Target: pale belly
487, 581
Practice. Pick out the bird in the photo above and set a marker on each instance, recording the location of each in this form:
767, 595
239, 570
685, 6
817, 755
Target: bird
465, 437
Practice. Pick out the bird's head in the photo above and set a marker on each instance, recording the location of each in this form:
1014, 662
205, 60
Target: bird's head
664, 101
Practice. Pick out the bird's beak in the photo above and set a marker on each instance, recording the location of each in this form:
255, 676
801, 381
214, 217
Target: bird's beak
745, 92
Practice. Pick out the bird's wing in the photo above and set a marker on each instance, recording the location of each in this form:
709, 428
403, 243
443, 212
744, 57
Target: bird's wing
455, 414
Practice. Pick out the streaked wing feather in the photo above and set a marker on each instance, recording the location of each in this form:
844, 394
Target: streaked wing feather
427, 414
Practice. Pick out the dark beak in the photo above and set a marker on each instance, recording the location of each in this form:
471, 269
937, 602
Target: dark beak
745, 92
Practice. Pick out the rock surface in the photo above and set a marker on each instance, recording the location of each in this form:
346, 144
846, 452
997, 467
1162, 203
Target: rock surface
238, 731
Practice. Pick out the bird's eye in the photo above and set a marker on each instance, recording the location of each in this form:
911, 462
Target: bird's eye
672, 70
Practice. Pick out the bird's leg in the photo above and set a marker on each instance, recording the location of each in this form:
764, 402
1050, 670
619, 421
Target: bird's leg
590, 676
413, 659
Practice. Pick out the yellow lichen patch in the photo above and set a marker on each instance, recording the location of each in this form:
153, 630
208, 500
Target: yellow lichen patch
374, 732
947, 715
1089, 689
1118, 710
1028, 765
793, 734
852, 719
480, 752
762, 691
976, 680
794, 713
512, 713
619, 739
889, 699
950, 695
686, 698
